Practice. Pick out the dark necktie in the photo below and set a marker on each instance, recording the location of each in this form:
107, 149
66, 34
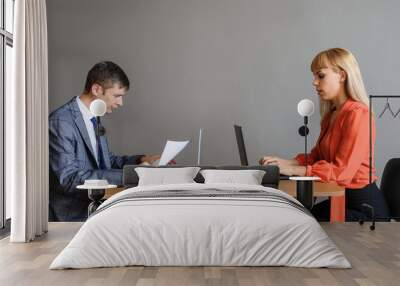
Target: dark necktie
100, 158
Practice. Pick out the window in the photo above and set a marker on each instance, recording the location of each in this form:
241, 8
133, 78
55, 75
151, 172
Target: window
8, 78
6, 70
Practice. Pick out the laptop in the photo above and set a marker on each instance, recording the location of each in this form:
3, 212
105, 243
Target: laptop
242, 149
241, 146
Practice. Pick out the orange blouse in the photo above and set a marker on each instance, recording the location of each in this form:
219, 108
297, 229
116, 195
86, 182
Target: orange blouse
341, 154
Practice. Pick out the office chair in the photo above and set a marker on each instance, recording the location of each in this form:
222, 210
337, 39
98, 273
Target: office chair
390, 186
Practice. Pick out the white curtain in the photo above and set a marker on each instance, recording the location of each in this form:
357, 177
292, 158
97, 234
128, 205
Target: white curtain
27, 124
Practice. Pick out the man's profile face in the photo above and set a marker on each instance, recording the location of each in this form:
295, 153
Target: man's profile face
112, 96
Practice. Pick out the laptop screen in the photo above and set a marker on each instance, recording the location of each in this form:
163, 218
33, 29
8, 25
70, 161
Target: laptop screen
241, 146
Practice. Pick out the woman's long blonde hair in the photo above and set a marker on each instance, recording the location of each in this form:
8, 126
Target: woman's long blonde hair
341, 59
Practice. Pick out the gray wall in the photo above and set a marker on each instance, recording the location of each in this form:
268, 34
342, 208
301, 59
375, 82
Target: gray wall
213, 63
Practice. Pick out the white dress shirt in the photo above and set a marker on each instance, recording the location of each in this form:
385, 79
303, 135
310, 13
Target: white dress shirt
87, 115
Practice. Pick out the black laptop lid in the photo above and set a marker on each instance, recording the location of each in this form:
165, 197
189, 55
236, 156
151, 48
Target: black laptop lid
241, 146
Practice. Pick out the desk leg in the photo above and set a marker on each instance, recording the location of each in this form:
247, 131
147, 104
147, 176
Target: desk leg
338, 209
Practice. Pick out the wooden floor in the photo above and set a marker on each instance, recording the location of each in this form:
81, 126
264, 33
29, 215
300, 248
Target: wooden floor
375, 257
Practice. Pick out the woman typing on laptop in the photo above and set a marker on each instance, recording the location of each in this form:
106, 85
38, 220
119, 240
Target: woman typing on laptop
341, 154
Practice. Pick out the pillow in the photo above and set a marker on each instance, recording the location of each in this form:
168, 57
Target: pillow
248, 177
163, 176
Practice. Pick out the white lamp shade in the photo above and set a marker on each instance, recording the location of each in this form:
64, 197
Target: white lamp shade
305, 107
98, 107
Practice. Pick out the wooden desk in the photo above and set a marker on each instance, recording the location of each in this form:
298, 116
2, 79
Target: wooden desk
110, 192
335, 192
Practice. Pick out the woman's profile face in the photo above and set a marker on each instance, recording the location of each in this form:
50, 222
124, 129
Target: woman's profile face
328, 83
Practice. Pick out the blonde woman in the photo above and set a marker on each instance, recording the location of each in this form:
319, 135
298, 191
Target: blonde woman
341, 154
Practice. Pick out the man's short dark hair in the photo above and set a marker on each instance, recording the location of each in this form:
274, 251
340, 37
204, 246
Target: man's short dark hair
106, 74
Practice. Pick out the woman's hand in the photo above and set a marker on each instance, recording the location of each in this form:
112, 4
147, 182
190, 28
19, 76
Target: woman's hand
273, 160
286, 167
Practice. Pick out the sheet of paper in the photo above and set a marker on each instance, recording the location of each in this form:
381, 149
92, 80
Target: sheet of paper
171, 150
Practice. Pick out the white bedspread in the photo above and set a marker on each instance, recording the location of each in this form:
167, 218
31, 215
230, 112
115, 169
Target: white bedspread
200, 231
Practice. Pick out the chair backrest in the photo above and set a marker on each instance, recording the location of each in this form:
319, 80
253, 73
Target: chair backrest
390, 186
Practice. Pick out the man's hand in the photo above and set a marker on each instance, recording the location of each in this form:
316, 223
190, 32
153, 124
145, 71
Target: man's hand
149, 159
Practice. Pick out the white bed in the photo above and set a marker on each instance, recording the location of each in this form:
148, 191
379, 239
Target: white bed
264, 229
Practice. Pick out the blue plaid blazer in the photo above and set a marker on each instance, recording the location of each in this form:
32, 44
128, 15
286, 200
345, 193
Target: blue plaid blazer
72, 161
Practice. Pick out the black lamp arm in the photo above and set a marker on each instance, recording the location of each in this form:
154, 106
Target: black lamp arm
305, 140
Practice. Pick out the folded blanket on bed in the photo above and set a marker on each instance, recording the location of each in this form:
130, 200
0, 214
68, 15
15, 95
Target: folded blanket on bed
206, 194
